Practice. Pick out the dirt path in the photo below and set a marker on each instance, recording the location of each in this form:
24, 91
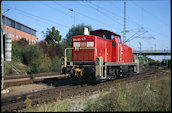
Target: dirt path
25, 89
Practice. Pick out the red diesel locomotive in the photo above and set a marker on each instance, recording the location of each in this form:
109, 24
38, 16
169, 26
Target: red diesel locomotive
99, 56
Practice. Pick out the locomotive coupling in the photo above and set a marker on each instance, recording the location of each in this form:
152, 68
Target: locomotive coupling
78, 71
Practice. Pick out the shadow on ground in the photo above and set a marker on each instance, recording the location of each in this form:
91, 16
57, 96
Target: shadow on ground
55, 82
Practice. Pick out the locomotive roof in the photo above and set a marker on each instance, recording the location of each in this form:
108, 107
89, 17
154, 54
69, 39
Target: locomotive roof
102, 30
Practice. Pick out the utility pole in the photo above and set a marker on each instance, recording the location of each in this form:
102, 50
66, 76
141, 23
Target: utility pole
2, 54
4, 33
5, 18
124, 32
140, 46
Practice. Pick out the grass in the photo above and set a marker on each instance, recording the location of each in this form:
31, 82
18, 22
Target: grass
147, 95
150, 95
59, 106
21, 67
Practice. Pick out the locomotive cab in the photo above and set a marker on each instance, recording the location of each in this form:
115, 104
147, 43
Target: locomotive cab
106, 34
99, 56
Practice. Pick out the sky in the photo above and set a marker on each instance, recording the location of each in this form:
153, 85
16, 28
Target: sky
148, 21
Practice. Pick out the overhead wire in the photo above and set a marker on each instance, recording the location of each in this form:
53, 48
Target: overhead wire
131, 30
82, 15
104, 14
146, 27
41, 18
62, 12
65, 8
58, 10
131, 20
86, 15
110, 12
127, 18
38, 20
156, 18
152, 14
114, 15
17, 12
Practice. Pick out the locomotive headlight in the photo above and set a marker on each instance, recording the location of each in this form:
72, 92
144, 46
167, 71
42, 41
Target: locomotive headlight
83, 39
76, 44
90, 44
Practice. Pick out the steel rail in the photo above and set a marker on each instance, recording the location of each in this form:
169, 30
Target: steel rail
24, 80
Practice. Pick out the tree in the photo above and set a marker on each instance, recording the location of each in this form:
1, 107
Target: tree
76, 30
52, 36
44, 46
23, 42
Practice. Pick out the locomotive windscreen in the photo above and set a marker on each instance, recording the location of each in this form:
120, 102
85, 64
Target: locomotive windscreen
95, 34
106, 35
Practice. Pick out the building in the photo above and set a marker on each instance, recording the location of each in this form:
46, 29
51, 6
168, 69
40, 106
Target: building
18, 30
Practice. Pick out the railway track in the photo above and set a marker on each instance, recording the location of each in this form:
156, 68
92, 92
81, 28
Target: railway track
17, 102
28, 76
28, 79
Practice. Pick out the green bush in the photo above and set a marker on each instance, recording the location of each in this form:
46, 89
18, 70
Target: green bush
18, 49
17, 52
46, 63
32, 58
56, 65
32, 55
40, 58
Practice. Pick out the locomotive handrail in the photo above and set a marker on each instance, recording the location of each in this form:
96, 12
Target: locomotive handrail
65, 62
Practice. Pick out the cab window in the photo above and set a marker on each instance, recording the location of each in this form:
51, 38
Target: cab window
107, 35
112, 37
113, 44
95, 34
119, 39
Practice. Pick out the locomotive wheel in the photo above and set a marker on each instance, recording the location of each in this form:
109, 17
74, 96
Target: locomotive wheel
125, 75
117, 72
114, 76
130, 72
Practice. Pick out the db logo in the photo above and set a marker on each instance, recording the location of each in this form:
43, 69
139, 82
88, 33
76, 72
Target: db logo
83, 38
